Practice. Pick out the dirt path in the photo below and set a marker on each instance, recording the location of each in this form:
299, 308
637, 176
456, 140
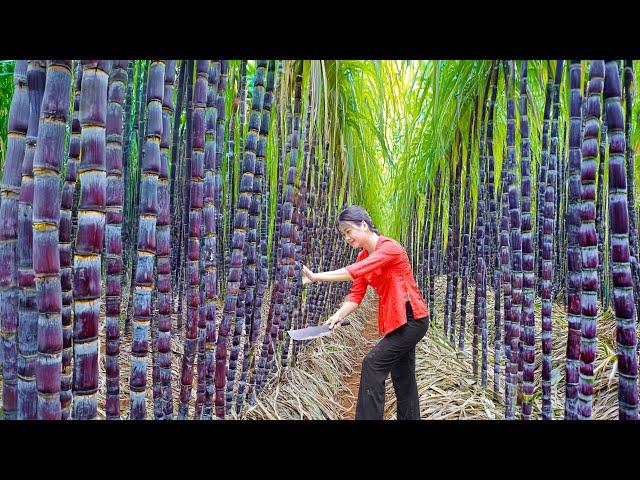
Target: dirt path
370, 333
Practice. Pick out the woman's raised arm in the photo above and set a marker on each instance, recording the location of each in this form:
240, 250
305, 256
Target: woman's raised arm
340, 275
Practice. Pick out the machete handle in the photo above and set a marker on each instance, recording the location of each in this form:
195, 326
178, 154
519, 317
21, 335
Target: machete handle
344, 323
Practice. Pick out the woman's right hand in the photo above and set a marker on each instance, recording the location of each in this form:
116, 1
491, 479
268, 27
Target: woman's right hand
307, 276
333, 321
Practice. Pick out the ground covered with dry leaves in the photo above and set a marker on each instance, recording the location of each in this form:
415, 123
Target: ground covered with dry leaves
323, 385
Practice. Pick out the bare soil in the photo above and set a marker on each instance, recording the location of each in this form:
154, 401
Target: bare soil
352, 382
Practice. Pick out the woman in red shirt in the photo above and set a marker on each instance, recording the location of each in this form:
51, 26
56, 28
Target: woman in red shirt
402, 314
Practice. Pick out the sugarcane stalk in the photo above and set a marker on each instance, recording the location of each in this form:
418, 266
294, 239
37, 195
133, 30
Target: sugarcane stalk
146, 245
574, 264
46, 217
9, 196
113, 232
515, 243
528, 260
547, 251
27, 393
195, 216
589, 239
623, 301
162, 390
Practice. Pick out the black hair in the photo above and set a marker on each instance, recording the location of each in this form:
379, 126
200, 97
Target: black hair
357, 214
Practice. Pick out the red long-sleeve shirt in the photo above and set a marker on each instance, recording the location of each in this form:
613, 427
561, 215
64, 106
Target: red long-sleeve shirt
388, 271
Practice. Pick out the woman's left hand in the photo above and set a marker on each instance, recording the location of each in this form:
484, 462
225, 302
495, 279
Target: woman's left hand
308, 276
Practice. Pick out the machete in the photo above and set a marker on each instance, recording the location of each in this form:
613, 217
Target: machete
313, 332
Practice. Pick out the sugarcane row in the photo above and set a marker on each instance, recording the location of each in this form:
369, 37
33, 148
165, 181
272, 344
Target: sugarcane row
109, 188
584, 207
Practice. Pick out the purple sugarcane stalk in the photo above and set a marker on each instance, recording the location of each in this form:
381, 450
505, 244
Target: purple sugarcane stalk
548, 239
113, 232
87, 261
528, 261
574, 263
589, 239
210, 239
629, 155
9, 196
27, 401
161, 369
195, 216
492, 237
624, 305
515, 243
206, 314
505, 262
69, 220
46, 216
146, 244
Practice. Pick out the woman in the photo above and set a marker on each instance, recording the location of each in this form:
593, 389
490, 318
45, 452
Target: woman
402, 316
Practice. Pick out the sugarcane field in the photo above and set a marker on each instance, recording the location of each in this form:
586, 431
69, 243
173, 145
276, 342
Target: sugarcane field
319, 240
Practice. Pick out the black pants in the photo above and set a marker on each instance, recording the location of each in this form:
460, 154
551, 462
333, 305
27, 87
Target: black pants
395, 354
